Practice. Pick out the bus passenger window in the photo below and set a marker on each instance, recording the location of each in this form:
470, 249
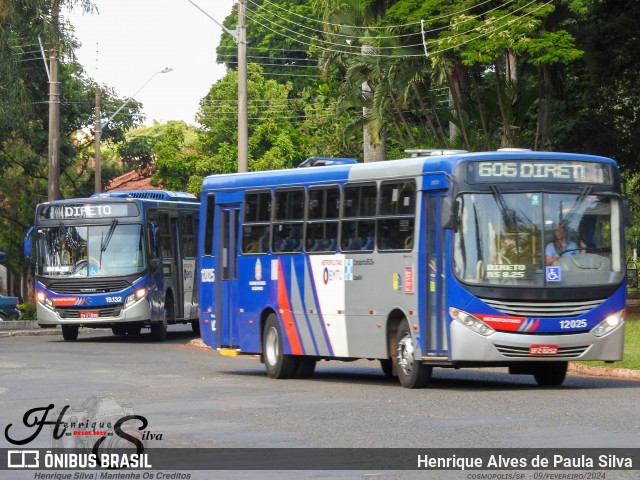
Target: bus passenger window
165, 236
256, 223
288, 222
188, 236
358, 218
208, 226
322, 219
397, 215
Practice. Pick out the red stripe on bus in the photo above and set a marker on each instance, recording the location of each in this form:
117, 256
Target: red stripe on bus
287, 318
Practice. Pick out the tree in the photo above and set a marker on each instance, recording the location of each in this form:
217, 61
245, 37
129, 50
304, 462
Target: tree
274, 141
23, 120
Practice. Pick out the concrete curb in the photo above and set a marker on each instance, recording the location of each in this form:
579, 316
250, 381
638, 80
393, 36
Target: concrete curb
18, 325
574, 368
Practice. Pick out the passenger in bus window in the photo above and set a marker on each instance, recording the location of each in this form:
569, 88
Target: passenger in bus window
561, 246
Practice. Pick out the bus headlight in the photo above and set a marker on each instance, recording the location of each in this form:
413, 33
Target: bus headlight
44, 300
471, 322
609, 324
135, 296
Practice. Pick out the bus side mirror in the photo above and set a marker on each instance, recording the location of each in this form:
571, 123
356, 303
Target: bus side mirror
448, 210
28, 245
155, 263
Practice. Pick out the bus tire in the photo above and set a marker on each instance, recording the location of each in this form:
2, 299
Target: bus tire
119, 329
550, 374
278, 364
195, 326
134, 329
411, 373
70, 332
387, 367
306, 367
159, 329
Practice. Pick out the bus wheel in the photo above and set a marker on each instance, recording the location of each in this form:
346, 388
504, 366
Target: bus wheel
278, 364
133, 329
387, 367
550, 374
119, 329
306, 367
195, 326
159, 329
70, 332
411, 373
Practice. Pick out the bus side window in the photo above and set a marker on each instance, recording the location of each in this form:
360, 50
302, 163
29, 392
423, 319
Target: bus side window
396, 219
288, 222
323, 210
188, 235
209, 214
256, 223
165, 236
358, 225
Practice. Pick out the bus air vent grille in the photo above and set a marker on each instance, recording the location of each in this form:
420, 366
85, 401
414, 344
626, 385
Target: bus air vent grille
521, 352
543, 309
80, 287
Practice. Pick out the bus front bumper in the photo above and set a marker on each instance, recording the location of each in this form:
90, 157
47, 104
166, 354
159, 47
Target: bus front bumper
469, 346
137, 312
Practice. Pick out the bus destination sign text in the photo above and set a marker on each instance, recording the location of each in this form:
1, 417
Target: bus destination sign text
538, 171
87, 210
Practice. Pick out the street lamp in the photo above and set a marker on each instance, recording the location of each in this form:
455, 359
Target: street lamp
98, 129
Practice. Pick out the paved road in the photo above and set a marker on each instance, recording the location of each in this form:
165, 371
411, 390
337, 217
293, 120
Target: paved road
195, 397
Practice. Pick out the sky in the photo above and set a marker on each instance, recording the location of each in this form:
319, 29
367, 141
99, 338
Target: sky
129, 41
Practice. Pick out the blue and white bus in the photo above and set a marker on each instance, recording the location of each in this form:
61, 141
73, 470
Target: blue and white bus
122, 260
444, 259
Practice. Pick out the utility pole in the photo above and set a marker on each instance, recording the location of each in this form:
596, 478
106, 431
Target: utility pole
240, 37
54, 108
97, 133
243, 128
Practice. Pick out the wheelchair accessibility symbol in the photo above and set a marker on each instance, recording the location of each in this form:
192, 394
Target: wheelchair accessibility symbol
553, 274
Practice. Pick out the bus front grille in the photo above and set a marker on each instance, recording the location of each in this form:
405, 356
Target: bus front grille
543, 309
80, 287
523, 352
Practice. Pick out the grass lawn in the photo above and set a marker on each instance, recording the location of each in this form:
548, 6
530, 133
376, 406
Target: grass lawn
631, 357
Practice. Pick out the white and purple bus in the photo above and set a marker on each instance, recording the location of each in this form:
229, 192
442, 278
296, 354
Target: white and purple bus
443, 259
122, 260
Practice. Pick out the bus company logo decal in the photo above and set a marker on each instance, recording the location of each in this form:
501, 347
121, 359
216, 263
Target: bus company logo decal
99, 424
509, 324
68, 301
258, 284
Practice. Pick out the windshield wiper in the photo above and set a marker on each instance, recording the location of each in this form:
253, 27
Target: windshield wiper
107, 239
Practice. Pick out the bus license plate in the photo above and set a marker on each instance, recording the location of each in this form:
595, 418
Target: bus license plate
89, 315
543, 350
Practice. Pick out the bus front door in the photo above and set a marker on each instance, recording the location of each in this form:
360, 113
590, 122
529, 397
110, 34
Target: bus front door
227, 288
435, 243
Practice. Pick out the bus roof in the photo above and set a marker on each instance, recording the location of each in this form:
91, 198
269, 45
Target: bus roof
413, 166
148, 195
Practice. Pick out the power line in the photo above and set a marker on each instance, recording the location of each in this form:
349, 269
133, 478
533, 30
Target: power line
348, 45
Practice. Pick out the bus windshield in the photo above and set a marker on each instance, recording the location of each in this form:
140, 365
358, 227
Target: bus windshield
90, 251
538, 239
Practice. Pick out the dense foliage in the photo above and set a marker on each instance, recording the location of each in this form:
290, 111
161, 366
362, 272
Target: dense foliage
326, 74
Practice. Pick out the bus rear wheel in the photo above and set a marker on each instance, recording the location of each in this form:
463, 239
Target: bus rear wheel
550, 374
411, 373
70, 332
278, 364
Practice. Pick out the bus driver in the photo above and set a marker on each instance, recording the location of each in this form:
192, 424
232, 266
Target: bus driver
561, 246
